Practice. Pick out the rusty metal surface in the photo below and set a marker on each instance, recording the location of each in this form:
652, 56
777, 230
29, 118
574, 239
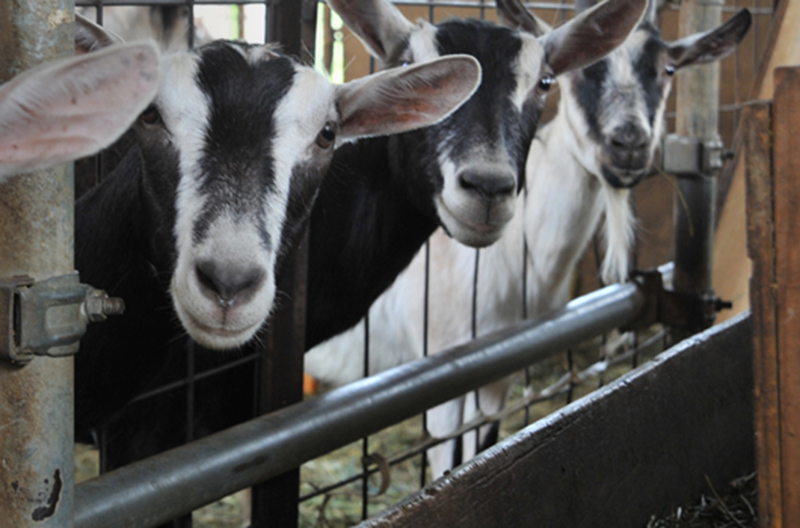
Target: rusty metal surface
786, 164
633, 449
36, 466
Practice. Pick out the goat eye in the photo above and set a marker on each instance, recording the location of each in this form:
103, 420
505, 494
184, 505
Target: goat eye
151, 116
669, 69
546, 82
326, 136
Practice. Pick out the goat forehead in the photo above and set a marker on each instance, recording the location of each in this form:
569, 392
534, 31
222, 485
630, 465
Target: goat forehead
490, 119
626, 83
497, 48
243, 96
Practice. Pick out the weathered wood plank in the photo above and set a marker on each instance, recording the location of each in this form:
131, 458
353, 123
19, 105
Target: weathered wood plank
757, 134
786, 162
633, 449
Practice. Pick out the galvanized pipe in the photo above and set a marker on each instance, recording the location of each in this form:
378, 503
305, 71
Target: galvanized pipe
36, 219
697, 116
155, 490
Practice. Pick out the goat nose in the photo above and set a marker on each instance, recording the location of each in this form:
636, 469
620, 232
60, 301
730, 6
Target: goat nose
226, 284
629, 137
488, 184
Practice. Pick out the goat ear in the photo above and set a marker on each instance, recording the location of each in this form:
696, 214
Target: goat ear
403, 99
379, 25
711, 45
514, 15
91, 37
74, 107
592, 34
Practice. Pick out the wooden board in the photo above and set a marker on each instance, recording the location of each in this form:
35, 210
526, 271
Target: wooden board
638, 447
786, 166
761, 250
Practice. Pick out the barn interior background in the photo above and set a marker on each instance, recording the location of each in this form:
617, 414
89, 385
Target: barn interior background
363, 478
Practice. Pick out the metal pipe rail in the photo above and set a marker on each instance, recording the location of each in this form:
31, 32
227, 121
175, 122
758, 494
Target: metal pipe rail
178, 481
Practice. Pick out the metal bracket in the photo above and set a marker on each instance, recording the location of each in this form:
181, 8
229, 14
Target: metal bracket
684, 155
47, 318
688, 310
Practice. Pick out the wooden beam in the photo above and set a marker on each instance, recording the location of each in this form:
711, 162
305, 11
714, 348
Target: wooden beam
786, 138
761, 250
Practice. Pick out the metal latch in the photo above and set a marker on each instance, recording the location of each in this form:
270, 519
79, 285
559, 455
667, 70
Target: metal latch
688, 310
47, 318
688, 155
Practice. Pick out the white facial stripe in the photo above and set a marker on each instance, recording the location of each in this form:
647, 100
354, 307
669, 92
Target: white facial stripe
528, 68
185, 110
300, 116
623, 99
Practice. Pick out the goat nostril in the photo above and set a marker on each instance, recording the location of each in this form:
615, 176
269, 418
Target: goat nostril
487, 185
228, 284
204, 271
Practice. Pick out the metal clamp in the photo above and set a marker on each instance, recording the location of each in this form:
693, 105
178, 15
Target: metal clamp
48, 318
684, 155
687, 310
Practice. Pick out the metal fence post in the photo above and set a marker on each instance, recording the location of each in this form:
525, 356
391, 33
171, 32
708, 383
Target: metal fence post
697, 117
275, 502
36, 238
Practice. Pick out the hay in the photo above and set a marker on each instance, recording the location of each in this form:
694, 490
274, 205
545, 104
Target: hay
734, 507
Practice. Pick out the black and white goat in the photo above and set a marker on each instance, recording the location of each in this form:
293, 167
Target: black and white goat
580, 169
73, 107
219, 180
383, 197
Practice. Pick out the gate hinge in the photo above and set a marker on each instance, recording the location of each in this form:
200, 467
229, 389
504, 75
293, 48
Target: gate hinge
688, 310
47, 318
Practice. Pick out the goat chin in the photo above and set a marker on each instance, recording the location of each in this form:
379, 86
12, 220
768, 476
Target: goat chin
221, 329
475, 234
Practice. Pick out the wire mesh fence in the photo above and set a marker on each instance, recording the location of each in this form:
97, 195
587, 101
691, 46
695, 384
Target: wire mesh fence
360, 480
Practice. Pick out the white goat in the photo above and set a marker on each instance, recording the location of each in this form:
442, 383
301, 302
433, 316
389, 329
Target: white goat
73, 107
580, 169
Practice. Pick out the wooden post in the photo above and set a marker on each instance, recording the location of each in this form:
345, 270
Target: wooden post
773, 191
757, 124
785, 129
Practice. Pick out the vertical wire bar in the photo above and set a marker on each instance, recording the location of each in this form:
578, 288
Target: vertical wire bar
635, 265
365, 440
474, 332
425, 321
570, 367
190, 36
528, 379
191, 351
